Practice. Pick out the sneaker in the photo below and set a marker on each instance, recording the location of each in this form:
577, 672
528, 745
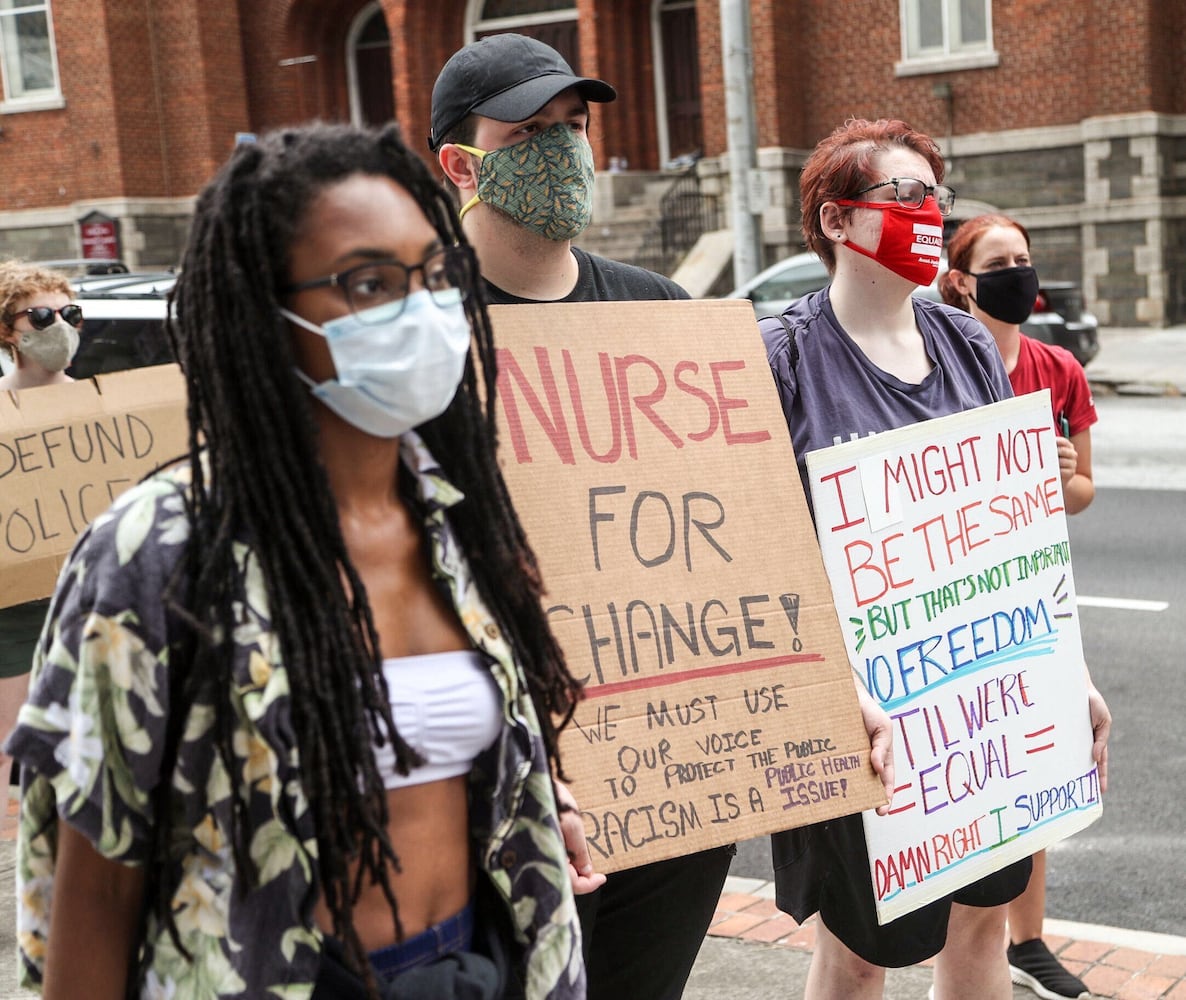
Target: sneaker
1031, 964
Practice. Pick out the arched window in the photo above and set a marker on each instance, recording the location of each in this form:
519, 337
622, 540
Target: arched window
551, 21
677, 79
368, 58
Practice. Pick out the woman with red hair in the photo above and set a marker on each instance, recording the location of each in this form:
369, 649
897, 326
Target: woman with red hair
863, 356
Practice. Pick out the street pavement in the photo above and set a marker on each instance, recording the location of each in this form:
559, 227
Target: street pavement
754, 952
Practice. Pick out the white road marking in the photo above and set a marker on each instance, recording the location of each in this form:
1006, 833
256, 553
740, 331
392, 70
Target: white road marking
1120, 603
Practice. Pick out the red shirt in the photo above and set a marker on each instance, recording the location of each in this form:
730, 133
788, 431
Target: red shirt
1044, 366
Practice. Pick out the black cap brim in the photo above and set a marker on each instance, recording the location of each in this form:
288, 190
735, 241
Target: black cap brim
521, 101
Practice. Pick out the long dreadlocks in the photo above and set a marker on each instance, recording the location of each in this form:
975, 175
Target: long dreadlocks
256, 477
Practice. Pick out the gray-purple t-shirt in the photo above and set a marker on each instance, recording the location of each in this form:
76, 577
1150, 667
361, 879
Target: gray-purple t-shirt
833, 393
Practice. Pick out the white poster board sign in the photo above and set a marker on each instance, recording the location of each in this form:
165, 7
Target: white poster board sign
946, 546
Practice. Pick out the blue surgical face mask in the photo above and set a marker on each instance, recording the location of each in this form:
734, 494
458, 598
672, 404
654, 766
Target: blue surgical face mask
393, 374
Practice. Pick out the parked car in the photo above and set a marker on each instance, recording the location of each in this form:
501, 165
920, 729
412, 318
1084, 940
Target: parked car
123, 322
1058, 316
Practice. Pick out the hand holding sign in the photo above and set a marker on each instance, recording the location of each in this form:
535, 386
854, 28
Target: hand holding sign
66, 451
659, 491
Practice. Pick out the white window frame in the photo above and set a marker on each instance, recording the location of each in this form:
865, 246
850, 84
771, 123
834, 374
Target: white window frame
38, 100
951, 56
664, 136
361, 20
475, 23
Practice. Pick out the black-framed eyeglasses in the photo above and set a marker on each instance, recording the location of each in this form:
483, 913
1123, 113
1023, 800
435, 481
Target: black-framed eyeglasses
448, 276
42, 316
909, 192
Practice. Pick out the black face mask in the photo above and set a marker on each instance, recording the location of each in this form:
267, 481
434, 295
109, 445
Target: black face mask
1007, 294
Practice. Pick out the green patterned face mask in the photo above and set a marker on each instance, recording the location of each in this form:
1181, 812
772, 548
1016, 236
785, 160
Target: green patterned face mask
545, 182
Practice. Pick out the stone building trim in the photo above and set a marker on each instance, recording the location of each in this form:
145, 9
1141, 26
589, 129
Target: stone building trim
57, 227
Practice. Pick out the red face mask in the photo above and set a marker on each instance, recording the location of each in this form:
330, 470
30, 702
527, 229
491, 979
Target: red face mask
911, 238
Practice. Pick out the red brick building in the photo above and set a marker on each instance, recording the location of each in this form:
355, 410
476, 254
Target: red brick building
1071, 116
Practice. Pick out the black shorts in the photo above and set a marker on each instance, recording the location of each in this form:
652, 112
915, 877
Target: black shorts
824, 869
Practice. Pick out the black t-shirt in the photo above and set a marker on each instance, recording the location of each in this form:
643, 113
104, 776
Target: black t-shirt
602, 280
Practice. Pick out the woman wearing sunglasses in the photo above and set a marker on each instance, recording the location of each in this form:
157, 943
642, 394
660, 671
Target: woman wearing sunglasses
39, 325
38, 336
292, 726
863, 356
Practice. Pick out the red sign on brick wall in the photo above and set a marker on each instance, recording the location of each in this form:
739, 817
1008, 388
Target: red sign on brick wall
99, 237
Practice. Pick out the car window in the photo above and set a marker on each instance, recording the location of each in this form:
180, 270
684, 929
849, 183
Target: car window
124, 322
114, 345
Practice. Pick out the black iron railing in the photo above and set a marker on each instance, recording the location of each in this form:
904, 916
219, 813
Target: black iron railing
685, 214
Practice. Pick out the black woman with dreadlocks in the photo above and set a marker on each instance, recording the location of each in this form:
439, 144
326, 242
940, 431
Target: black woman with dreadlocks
293, 718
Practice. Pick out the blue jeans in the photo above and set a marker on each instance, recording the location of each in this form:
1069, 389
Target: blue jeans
441, 963
455, 933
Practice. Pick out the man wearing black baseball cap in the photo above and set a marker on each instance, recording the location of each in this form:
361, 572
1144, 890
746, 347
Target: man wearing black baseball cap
509, 127
522, 209
506, 77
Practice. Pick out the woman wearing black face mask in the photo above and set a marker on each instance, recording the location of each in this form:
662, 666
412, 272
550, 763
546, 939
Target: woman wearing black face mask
992, 277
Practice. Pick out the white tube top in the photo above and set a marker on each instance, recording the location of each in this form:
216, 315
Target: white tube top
447, 707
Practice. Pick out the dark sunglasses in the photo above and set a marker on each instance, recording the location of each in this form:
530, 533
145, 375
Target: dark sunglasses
42, 316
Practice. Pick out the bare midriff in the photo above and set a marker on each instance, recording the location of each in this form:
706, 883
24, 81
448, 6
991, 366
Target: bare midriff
428, 826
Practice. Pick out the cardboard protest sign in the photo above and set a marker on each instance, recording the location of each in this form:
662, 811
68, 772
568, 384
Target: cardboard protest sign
66, 451
650, 463
946, 545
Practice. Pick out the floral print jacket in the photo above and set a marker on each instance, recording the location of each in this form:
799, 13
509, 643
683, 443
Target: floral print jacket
89, 738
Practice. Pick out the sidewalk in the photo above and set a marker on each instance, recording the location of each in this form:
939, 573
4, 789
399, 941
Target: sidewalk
8, 957
1140, 361
755, 952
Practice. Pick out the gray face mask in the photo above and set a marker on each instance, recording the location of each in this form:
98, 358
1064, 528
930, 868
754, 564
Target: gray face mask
52, 348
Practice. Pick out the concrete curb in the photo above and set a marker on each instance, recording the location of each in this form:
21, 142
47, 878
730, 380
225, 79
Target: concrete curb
1150, 941
1103, 386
